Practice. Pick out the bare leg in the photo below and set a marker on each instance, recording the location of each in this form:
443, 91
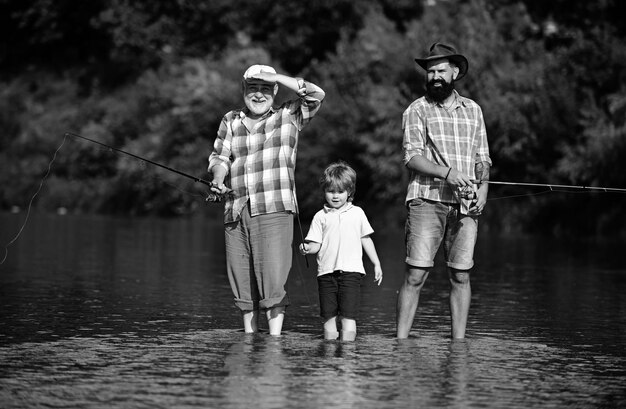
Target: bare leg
408, 299
275, 317
348, 324
250, 321
460, 297
330, 328
348, 329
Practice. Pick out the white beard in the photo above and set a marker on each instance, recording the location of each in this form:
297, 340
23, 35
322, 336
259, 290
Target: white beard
258, 107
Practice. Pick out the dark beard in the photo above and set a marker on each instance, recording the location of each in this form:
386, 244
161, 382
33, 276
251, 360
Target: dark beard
439, 94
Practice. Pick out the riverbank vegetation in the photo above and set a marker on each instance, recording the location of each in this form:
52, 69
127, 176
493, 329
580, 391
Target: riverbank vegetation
155, 78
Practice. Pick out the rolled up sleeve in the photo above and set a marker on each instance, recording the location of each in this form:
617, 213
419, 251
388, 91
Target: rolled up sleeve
309, 102
221, 147
413, 129
482, 152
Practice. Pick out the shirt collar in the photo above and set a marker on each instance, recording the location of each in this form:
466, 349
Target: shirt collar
347, 207
244, 112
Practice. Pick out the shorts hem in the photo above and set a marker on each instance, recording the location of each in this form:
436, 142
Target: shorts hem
461, 266
419, 263
339, 315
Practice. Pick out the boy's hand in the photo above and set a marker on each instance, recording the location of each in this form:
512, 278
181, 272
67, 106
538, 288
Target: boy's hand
378, 274
304, 249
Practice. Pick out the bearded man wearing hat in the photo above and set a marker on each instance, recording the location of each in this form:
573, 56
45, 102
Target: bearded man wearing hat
253, 163
446, 151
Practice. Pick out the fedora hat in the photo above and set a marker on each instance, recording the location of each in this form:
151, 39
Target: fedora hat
439, 51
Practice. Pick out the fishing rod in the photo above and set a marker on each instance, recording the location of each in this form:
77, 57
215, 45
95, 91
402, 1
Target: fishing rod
211, 196
551, 186
195, 178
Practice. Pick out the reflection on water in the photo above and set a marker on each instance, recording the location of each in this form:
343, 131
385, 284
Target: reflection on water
134, 313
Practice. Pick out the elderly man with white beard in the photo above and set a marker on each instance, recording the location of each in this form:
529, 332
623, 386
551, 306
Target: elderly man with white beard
254, 159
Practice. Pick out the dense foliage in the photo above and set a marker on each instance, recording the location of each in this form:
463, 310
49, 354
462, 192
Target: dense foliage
155, 78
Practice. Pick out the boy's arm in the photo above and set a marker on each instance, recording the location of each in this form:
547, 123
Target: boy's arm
310, 247
370, 250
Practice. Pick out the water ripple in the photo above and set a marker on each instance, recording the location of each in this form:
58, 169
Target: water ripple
226, 368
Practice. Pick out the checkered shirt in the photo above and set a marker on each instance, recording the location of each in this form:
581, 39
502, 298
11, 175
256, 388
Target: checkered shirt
455, 137
261, 161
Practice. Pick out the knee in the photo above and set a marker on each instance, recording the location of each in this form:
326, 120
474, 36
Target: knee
416, 277
459, 277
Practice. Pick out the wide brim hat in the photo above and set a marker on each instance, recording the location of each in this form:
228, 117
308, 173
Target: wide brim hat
439, 51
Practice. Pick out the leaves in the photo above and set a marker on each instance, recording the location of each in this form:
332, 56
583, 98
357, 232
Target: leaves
155, 78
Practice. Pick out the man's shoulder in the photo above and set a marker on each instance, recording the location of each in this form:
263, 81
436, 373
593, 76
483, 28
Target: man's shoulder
420, 102
417, 105
231, 115
468, 102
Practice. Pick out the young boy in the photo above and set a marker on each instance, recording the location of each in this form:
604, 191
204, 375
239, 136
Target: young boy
338, 234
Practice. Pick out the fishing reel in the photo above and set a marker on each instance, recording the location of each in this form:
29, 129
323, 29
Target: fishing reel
213, 197
467, 192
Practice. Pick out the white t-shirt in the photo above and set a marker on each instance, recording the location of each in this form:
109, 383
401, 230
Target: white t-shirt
339, 231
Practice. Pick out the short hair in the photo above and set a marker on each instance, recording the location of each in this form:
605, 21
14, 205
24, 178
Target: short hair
339, 176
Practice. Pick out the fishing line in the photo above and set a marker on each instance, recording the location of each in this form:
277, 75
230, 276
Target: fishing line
210, 196
552, 188
302, 278
176, 187
522, 195
30, 204
302, 236
292, 187
181, 189
195, 178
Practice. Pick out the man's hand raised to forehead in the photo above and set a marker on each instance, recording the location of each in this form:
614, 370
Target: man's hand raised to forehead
264, 76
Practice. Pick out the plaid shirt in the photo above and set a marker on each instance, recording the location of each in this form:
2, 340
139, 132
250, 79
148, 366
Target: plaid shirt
455, 137
261, 161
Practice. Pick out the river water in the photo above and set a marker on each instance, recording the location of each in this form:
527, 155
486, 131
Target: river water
104, 312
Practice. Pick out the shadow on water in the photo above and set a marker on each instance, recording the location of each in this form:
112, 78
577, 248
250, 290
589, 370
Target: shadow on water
134, 313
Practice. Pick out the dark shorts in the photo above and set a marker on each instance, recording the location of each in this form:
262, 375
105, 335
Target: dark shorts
340, 294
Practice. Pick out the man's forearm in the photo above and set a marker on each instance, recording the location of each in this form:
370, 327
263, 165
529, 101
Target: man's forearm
287, 82
219, 174
482, 174
482, 171
420, 164
294, 84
